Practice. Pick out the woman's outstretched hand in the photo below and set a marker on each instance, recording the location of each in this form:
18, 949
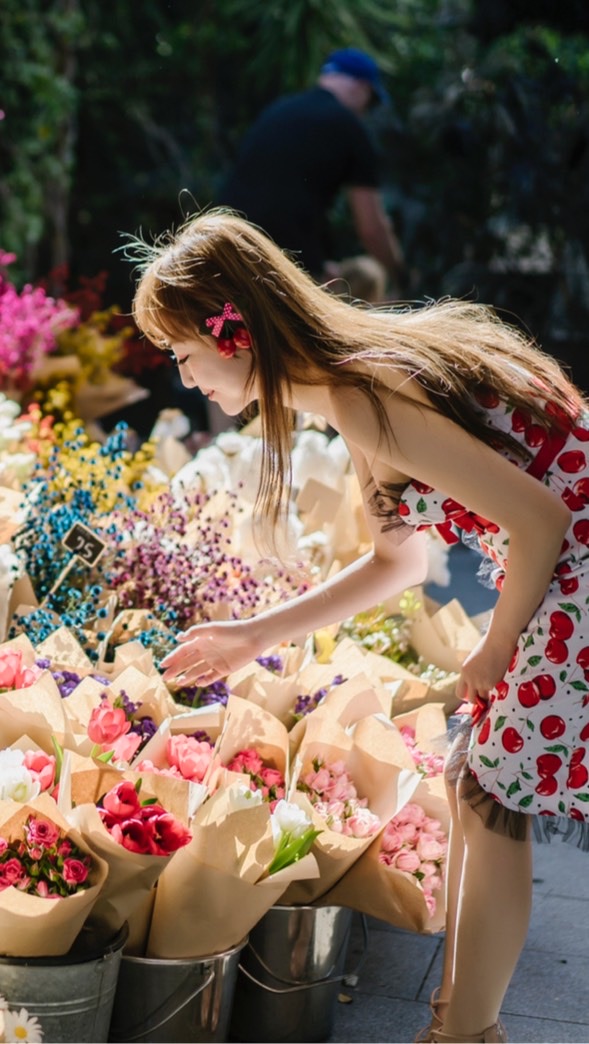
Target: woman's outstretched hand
210, 651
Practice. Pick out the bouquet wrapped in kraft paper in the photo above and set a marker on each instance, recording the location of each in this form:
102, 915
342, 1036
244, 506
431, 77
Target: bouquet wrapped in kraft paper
355, 698
30, 701
47, 923
219, 886
411, 898
372, 755
126, 829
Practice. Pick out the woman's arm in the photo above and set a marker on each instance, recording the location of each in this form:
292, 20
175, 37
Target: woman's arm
434, 450
211, 651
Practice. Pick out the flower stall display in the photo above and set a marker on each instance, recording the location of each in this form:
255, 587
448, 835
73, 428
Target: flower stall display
30, 321
50, 879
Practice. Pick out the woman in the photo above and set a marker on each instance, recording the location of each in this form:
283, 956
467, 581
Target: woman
453, 419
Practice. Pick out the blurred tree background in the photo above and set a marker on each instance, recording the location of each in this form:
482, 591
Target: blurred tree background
116, 118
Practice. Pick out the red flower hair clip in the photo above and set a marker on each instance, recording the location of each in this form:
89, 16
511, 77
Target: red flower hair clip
233, 338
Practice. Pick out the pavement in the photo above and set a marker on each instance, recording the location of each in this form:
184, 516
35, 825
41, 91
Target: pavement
548, 998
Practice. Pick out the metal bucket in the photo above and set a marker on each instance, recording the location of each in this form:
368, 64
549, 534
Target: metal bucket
182, 1000
71, 995
290, 974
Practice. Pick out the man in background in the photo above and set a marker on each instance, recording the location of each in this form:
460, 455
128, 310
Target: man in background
301, 152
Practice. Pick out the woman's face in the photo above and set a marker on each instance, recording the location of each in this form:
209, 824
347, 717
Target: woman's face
222, 380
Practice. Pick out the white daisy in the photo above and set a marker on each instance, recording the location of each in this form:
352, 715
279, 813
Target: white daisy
22, 1028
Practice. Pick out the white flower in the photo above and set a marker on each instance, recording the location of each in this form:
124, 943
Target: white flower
21, 1027
16, 782
241, 796
288, 818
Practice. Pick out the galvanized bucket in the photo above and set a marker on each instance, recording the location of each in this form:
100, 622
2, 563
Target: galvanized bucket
182, 1000
290, 974
71, 995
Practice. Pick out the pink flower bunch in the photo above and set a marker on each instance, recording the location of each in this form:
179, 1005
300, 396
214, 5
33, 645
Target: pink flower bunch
45, 863
113, 727
262, 777
187, 757
426, 762
332, 793
13, 673
415, 843
29, 323
141, 827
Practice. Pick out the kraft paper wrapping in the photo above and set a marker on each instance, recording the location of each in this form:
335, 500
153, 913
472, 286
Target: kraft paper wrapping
246, 725
92, 401
355, 698
382, 770
268, 690
389, 894
445, 637
37, 711
131, 875
215, 889
430, 727
29, 925
64, 652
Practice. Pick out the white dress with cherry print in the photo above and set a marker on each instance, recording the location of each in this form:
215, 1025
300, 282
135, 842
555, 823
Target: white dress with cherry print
531, 750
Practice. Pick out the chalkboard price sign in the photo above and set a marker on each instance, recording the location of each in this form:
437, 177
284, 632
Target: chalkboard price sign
84, 543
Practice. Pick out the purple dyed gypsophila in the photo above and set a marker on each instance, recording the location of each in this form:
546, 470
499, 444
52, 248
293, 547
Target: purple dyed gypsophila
272, 663
304, 704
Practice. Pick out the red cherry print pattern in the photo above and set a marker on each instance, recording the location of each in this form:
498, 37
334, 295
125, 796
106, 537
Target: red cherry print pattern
556, 651
572, 461
528, 694
581, 531
546, 787
561, 625
536, 731
552, 726
485, 730
546, 685
511, 740
548, 764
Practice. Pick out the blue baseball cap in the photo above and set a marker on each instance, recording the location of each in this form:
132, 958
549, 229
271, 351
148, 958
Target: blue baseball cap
361, 66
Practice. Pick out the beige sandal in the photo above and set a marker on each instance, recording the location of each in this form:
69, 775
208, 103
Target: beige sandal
494, 1034
425, 1034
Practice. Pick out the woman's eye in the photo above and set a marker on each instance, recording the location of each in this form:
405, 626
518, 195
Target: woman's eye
180, 362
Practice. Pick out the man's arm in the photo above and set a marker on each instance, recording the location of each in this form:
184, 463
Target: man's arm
375, 231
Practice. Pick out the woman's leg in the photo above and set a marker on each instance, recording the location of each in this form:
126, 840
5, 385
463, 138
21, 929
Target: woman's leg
492, 923
454, 866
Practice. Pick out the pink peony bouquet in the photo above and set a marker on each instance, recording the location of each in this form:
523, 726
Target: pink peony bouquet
44, 862
331, 792
143, 827
415, 843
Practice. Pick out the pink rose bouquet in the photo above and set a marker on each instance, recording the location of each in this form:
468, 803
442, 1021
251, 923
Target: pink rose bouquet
427, 762
329, 788
416, 844
43, 862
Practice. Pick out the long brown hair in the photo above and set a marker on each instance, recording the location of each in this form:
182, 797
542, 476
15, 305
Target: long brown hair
301, 334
